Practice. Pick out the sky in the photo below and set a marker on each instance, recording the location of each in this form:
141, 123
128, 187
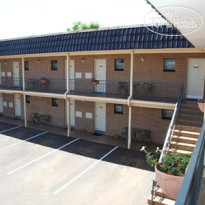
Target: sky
21, 18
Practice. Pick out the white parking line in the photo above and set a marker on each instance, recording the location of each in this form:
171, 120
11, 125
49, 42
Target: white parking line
13, 128
41, 157
86, 170
11, 145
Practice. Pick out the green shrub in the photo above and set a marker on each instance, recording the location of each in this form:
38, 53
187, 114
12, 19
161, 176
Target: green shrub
172, 163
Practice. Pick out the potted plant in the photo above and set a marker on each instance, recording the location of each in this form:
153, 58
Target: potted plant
170, 172
4, 79
95, 82
44, 80
201, 105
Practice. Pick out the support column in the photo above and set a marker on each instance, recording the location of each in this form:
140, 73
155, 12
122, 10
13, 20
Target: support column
67, 73
24, 96
67, 77
129, 138
68, 118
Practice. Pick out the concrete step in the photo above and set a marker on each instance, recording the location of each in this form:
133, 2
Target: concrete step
182, 146
187, 128
173, 150
189, 134
189, 123
191, 112
183, 139
190, 117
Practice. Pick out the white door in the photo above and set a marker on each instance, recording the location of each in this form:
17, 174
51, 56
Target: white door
1, 104
0, 74
72, 113
100, 116
100, 74
16, 79
72, 74
17, 101
195, 78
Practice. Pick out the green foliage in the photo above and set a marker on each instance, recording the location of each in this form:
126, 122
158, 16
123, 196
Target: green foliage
79, 25
151, 159
172, 163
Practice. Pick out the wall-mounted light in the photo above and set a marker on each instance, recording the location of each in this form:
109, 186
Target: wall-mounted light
142, 59
83, 60
38, 61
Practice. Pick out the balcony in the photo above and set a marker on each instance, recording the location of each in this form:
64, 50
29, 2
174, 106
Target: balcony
101, 88
156, 91
10, 83
45, 85
151, 91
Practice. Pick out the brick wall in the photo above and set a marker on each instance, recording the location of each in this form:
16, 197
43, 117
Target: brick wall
151, 119
83, 123
43, 69
8, 111
43, 106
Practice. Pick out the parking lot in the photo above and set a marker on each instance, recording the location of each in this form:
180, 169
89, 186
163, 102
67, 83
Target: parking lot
38, 167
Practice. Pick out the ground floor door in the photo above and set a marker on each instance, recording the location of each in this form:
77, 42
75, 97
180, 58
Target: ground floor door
1, 104
100, 117
16, 79
195, 78
17, 102
100, 75
72, 113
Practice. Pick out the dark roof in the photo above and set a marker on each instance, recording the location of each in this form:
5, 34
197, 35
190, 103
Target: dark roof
110, 39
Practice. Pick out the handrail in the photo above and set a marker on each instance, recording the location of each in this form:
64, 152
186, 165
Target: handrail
169, 133
172, 123
190, 188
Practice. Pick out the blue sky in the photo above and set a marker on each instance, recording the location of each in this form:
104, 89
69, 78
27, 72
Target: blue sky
36, 17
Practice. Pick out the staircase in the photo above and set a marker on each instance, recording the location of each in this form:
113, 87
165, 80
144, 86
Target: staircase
183, 140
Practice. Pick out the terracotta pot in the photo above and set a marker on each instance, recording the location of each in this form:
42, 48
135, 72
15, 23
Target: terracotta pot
95, 83
43, 81
170, 184
4, 79
201, 106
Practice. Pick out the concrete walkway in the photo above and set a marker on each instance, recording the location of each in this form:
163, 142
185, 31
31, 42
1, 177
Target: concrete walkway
103, 139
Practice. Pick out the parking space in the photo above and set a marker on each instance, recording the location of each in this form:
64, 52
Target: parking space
45, 168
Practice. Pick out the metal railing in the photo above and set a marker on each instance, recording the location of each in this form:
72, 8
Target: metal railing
156, 90
169, 134
172, 123
191, 184
10, 83
100, 87
45, 85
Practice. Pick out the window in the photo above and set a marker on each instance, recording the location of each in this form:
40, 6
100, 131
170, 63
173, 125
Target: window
54, 65
54, 102
169, 64
167, 114
118, 109
26, 65
119, 64
28, 99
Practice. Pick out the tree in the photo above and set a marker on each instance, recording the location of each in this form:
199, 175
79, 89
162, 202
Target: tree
79, 25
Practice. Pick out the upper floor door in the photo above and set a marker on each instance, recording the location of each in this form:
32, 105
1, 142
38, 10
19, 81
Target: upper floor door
100, 74
72, 74
195, 78
16, 77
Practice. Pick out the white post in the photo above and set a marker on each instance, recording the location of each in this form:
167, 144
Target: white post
129, 139
68, 118
24, 96
68, 71
24, 105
